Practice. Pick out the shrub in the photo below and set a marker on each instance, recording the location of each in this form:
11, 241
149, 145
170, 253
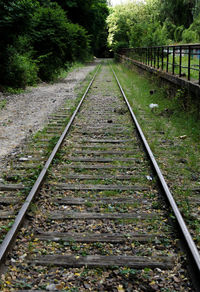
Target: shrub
190, 36
56, 41
178, 33
118, 46
79, 42
21, 69
15, 23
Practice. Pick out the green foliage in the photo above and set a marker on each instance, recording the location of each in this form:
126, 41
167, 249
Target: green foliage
2, 103
135, 25
118, 25
80, 43
118, 46
14, 25
49, 37
153, 23
189, 36
90, 14
38, 40
180, 12
170, 28
178, 33
21, 70
192, 34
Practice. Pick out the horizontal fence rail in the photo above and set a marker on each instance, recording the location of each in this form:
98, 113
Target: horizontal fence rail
180, 60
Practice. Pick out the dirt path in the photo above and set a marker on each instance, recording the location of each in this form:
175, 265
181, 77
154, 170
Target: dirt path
28, 112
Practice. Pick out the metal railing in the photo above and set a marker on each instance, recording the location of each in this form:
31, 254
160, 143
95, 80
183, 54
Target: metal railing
179, 60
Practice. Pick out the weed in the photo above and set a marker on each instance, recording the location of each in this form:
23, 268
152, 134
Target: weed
88, 204
2, 103
127, 272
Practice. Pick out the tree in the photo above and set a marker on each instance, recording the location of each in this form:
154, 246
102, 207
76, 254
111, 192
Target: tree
37, 39
91, 14
55, 40
136, 24
180, 12
15, 47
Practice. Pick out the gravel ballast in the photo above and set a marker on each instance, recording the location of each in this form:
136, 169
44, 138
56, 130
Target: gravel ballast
28, 112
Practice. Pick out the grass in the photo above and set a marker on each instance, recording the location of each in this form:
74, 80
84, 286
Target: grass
173, 132
3, 103
64, 72
180, 111
11, 90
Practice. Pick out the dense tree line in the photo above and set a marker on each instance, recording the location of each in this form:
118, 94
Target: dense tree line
38, 38
154, 22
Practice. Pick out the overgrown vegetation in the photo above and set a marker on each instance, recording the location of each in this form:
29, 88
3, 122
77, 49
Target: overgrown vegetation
153, 23
173, 132
41, 38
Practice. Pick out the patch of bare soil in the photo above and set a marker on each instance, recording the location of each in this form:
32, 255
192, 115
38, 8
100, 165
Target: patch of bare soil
28, 112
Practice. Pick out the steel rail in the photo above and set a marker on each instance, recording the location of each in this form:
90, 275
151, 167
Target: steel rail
187, 236
7, 242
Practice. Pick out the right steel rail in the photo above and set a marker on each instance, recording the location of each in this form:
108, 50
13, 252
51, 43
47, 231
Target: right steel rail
187, 236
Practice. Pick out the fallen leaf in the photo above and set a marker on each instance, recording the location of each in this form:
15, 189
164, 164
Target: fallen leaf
120, 288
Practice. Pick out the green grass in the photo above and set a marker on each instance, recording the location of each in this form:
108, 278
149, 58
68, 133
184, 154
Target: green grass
3, 103
11, 90
173, 132
64, 72
181, 111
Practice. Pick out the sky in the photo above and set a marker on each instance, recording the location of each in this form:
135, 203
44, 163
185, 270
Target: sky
115, 2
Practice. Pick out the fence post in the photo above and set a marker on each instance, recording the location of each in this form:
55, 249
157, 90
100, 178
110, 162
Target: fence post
151, 56
199, 63
180, 61
167, 69
154, 57
162, 52
146, 55
189, 55
173, 62
158, 58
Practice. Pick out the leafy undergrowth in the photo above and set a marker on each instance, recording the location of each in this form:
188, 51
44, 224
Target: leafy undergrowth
173, 132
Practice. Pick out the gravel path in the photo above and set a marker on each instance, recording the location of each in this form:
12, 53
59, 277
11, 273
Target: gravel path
28, 112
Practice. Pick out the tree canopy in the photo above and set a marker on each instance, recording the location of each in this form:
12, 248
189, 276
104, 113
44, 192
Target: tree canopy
153, 23
40, 37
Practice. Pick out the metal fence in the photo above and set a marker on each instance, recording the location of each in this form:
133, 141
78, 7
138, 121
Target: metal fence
180, 60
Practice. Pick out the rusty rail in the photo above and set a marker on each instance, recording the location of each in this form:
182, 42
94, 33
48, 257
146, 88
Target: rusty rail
191, 247
8, 240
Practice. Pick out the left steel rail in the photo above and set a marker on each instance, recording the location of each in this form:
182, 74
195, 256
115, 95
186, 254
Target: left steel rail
11, 235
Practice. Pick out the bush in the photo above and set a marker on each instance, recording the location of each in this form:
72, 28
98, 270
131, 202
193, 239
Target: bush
15, 24
190, 36
21, 69
178, 33
79, 42
118, 46
56, 41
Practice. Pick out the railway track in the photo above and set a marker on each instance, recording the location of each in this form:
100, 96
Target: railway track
99, 220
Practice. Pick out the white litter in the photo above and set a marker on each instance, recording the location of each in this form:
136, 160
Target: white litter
149, 177
23, 159
51, 287
153, 105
